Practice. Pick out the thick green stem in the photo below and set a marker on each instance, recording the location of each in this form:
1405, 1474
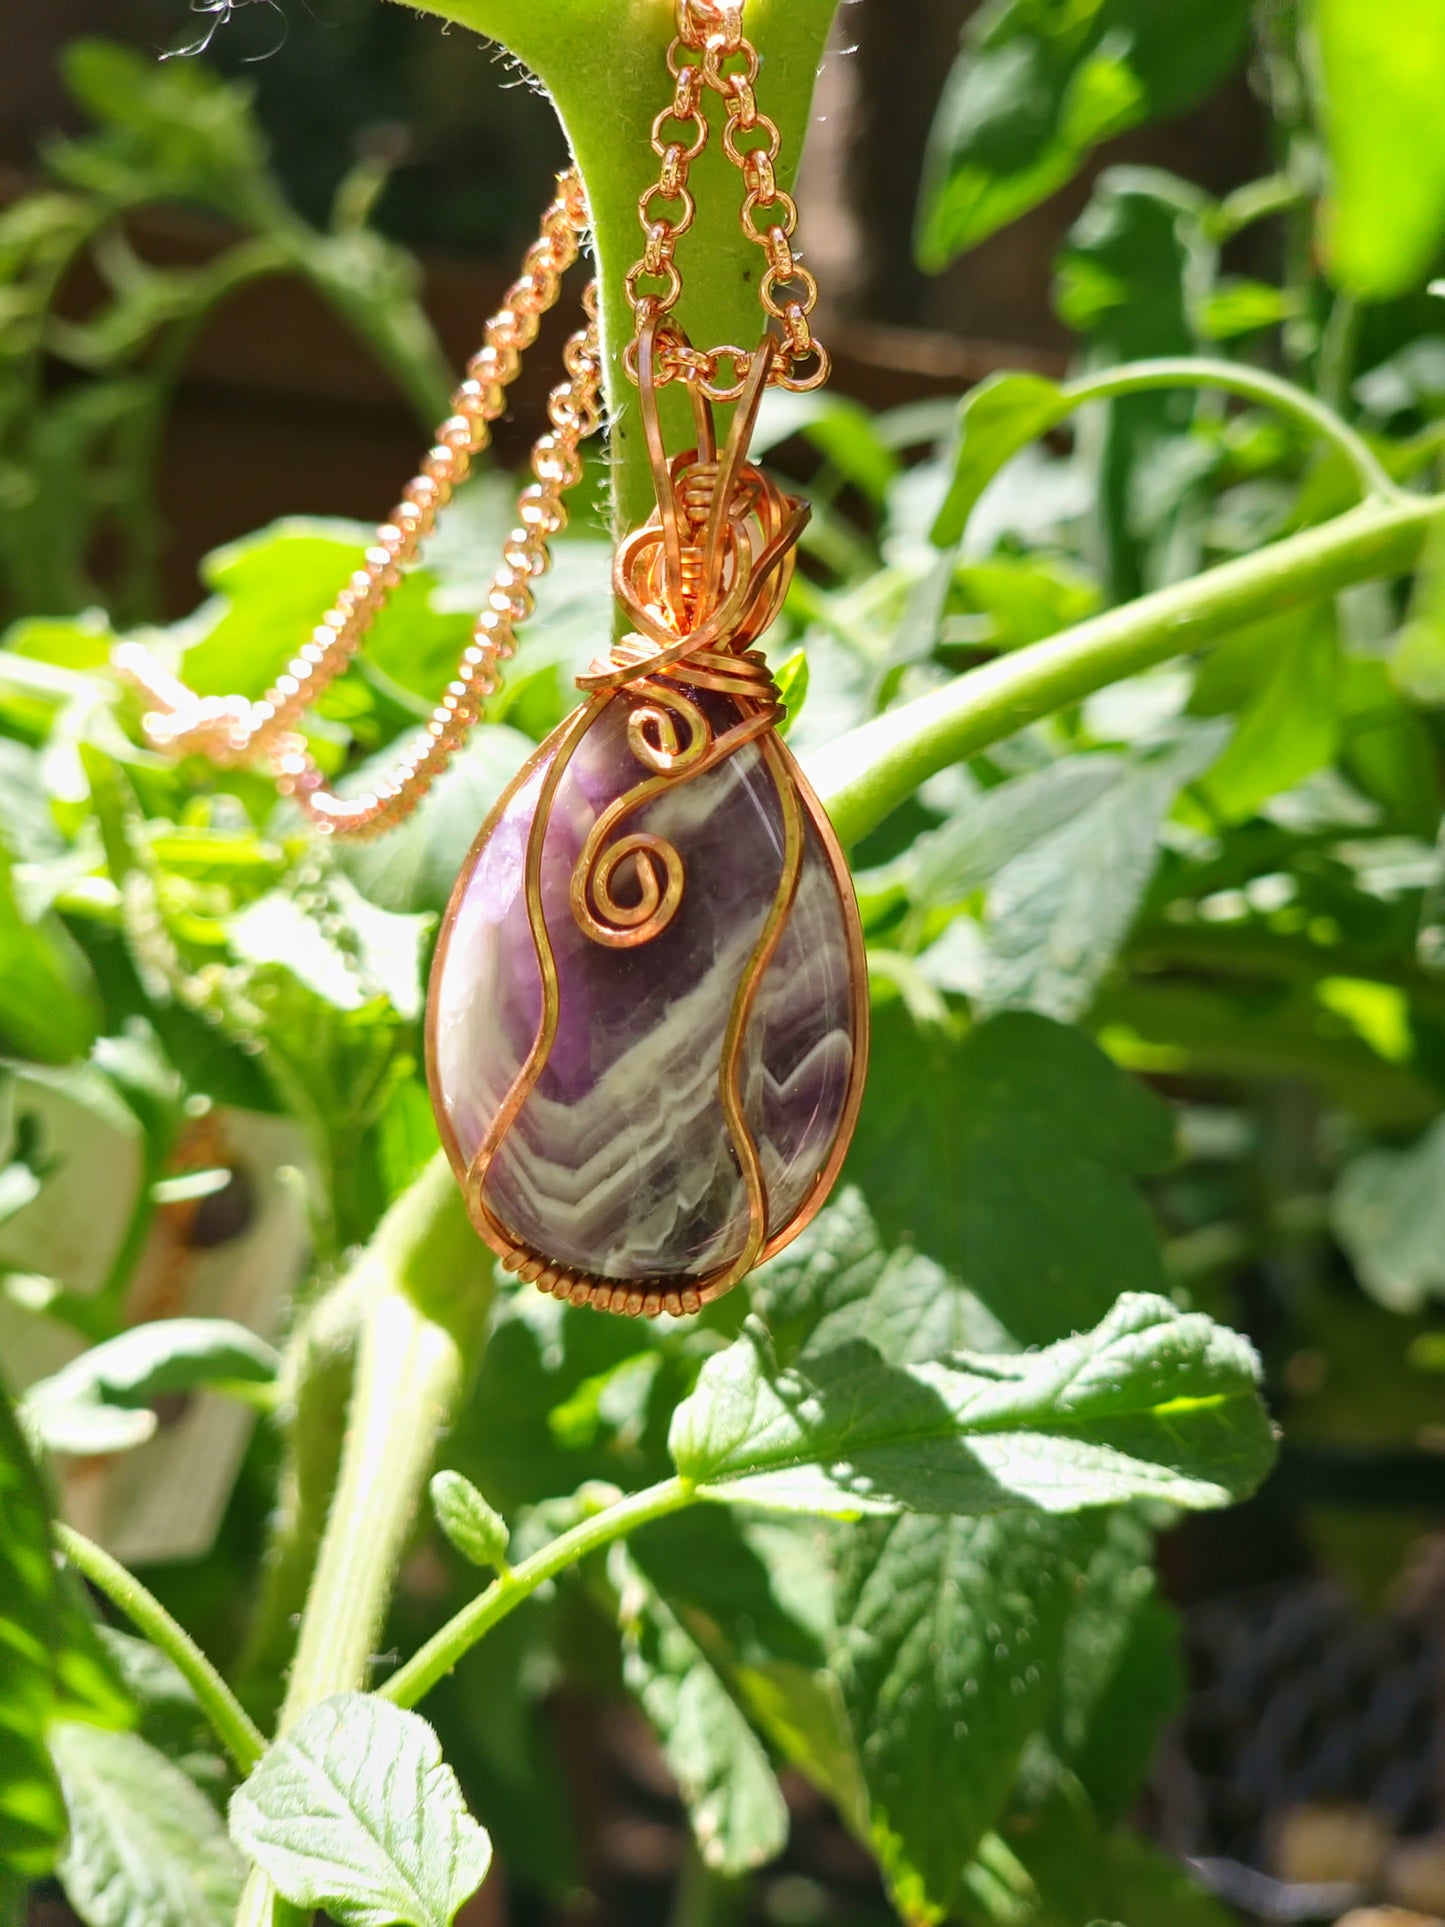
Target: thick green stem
604, 64
320, 1375
232, 1728
871, 770
427, 1281
441, 1652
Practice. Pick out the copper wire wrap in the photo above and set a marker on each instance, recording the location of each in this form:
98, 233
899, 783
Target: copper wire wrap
700, 580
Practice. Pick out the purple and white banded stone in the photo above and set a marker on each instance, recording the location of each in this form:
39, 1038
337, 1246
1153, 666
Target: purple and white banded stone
619, 1163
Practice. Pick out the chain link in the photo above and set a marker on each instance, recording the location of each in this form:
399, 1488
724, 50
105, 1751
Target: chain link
230, 730
710, 52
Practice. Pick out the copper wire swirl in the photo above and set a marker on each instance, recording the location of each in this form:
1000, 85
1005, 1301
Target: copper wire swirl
699, 581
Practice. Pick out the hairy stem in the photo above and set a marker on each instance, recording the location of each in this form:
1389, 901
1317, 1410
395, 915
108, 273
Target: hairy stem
439, 1655
870, 771
428, 1282
241, 1739
319, 1376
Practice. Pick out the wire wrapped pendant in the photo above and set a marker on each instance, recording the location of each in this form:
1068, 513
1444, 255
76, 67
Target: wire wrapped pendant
647, 1026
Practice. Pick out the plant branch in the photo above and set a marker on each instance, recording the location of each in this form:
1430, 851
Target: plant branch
420, 1332
433, 1661
1284, 397
428, 1283
870, 771
229, 1721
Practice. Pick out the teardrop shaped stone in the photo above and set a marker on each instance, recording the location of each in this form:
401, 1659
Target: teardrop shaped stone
619, 1163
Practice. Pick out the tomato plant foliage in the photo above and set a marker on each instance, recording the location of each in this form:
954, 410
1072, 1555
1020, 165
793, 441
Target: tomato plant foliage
1126, 692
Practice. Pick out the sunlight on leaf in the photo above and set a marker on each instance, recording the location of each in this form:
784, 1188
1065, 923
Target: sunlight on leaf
1153, 1403
145, 1844
355, 1811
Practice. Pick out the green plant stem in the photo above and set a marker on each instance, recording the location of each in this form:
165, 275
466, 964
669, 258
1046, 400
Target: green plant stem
1284, 397
704, 1897
603, 62
241, 1739
433, 1661
1338, 342
870, 771
319, 1377
1255, 201
432, 1281
428, 1283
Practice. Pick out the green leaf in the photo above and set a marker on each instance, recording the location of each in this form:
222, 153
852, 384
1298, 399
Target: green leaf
738, 1814
1120, 1675
173, 131
275, 586
98, 1403
1240, 307
354, 1810
1388, 1211
967, 850
1380, 77
477, 1530
1281, 679
335, 1070
762, 1587
1039, 83
1126, 280
842, 431
1002, 415
1006, 1158
837, 1281
415, 866
1072, 1869
146, 1847
170, 1716
1152, 1403
1059, 912
791, 678
49, 1006
1021, 598
51, 1666
949, 1631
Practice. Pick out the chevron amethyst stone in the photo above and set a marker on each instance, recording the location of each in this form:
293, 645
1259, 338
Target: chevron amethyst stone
619, 1164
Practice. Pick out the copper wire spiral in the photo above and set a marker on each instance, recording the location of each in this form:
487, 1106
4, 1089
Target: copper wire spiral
702, 579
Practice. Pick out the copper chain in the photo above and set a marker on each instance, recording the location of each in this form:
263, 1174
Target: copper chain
710, 50
231, 729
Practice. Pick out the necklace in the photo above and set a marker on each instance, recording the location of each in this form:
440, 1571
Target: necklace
647, 1021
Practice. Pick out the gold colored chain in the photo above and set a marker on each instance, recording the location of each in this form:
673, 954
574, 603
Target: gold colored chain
231, 729
710, 50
